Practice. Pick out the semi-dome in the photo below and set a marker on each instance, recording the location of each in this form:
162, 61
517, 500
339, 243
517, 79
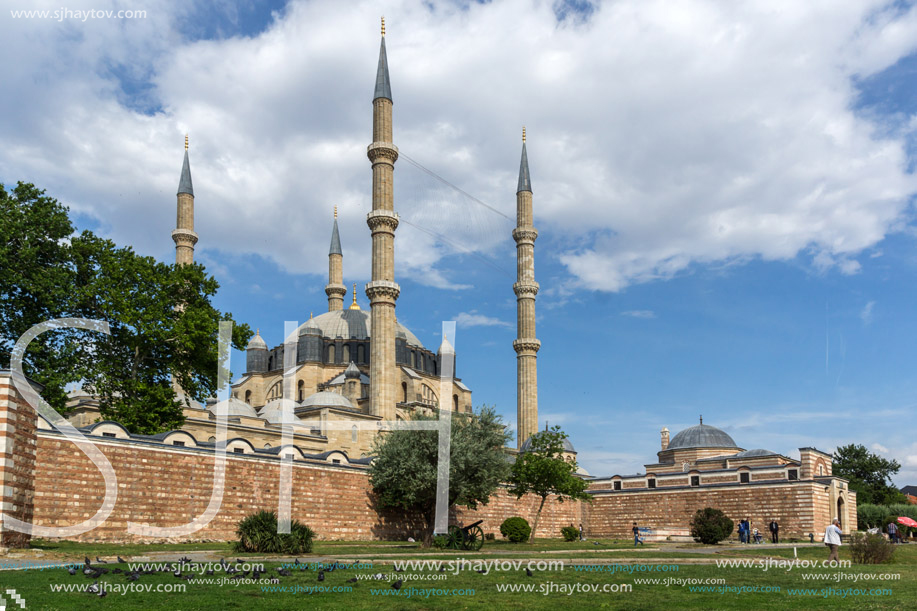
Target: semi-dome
701, 436
754, 453
235, 408
527, 444
351, 324
326, 398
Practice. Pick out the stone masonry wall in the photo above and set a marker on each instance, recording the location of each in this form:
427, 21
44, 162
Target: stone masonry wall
17, 461
168, 486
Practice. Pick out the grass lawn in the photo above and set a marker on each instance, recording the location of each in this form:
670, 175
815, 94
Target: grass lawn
547, 589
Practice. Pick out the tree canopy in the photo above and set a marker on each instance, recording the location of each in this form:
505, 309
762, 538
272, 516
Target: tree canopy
404, 471
162, 321
543, 471
868, 474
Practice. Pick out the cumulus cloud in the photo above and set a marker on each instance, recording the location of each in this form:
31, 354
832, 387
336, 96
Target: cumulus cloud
878, 447
661, 136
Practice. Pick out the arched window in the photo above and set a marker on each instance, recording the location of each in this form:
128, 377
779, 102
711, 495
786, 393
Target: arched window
404, 392
267, 446
361, 354
427, 396
276, 391
353, 433
455, 403
300, 390
330, 358
212, 439
346, 358
248, 397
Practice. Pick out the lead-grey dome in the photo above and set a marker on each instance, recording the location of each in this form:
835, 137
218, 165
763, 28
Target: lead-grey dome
257, 343
326, 398
527, 444
701, 436
235, 408
755, 453
352, 324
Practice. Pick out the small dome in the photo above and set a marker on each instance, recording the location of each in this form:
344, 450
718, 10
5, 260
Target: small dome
274, 413
701, 436
257, 343
754, 453
352, 372
236, 408
568, 447
445, 346
326, 398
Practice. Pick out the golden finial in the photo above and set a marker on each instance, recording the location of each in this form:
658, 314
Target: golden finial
523, 134
335, 212
310, 315
354, 305
258, 332
383, 25
186, 142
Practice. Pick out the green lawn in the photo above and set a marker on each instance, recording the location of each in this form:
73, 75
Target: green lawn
35, 586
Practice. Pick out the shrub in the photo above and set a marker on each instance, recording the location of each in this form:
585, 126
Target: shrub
258, 533
440, 541
516, 529
490, 537
710, 526
570, 533
871, 549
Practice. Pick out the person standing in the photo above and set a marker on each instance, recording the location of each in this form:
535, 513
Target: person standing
833, 539
741, 531
637, 538
582, 533
775, 531
892, 531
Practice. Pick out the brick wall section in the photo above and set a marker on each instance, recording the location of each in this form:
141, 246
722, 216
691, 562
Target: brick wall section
17, 461
792, 504
166, 486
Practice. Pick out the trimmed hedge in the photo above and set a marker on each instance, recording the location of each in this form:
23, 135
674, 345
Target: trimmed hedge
516, 529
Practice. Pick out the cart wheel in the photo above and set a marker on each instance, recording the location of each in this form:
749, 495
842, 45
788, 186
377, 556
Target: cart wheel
474, 539
455, 538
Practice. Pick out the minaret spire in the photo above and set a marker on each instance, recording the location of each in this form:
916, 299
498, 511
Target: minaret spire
183, 235
335, 288
382, 290
525, 345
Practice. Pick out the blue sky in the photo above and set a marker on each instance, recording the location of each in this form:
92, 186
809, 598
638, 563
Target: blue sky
724, 193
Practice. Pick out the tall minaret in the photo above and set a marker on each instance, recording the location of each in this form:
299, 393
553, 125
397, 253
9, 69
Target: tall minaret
335, 288
382, 290
183, 235
526, 346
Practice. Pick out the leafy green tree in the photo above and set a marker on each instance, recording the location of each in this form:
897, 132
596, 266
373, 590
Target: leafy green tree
36, 276
869, 474
544, 472
162, 322
403, 472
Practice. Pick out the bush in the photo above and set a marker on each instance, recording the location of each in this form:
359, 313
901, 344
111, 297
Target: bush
490, 537
440, 541
516, 529
570, 533
710, 526
258, 533
871, 549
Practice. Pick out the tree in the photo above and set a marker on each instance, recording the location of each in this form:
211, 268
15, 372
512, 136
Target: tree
35, 278
710, 526
162, 322
868, 474
543, 471
403, 472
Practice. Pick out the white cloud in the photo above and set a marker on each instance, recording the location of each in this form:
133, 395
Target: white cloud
660, 135
473, 319
878, 447
639, 313
866, 313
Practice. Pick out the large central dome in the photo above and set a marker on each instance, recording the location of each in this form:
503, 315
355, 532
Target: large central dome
702, 436
351, 324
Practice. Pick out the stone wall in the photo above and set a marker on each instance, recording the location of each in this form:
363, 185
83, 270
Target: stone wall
168, 486
17, 461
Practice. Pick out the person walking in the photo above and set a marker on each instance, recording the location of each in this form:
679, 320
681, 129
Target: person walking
833, 539
892, 531
741, 531
775, 531
637, 538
